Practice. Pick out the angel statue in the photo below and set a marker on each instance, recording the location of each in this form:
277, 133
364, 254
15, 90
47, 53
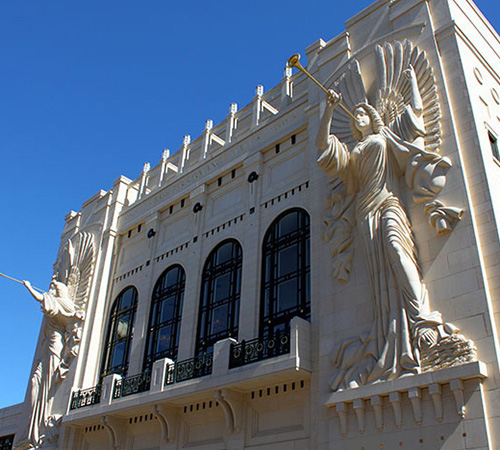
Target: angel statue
63, 307
399, 138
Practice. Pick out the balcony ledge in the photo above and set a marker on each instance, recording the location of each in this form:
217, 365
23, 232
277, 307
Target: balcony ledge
288, 367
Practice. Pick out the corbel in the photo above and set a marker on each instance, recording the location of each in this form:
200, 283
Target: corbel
395, 399
376, 402
112, 425
232, 405
436, 394
167, 417
457, 387
415, 396
359, 409
341, 409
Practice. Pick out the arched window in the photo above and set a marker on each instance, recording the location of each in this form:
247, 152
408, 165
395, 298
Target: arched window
120, 329
285, 272
220, 296
165, 316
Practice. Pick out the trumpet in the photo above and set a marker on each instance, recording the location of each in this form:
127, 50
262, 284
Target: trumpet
294, 61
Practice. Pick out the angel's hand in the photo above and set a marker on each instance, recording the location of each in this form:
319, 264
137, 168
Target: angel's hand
27, 284
410, 73
333, 98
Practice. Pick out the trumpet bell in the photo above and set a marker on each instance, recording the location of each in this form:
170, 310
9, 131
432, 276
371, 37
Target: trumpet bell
294, 61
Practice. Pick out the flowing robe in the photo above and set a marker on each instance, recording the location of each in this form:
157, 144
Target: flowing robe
400, 303
59, 315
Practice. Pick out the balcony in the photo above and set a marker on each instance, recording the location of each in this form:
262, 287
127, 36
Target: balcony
255, 350
131, 385
233, 366
188, 369
85, 397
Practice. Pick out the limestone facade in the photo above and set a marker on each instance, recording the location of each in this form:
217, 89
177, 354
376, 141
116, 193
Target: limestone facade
233, 184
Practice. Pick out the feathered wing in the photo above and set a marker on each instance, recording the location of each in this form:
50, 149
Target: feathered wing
350, 86
394, 89
82, 257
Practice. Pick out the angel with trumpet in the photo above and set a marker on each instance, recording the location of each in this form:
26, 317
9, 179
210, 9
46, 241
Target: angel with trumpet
63, 307
367, 153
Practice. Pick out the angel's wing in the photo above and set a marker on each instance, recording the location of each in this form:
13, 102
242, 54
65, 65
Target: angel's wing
350, 86
394, 89
82, 263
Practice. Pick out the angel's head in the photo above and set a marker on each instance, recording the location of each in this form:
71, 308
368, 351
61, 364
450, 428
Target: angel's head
58, 289
368, 121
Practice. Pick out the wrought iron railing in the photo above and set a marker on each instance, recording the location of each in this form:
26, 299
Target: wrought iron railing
85, 397
247, 352
132, 385
188, 369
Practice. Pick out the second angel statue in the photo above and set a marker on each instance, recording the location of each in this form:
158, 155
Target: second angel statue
390, 142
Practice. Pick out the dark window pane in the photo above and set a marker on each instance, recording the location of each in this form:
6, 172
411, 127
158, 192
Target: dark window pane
127, 299
224, 253
308, 290
287, 294
222, 287
172, 277
288, 224
167, 309
164, 339
118, 355
219, 319
267, 263
287, 260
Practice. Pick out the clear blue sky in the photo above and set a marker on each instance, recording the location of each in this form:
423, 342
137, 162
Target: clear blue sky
92, 90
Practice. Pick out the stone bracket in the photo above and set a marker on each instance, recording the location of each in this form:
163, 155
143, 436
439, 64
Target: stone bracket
232, 405
415, 396
167, 417
377, 403
395, 399
413, 387
112, 426
359, 409
457, 387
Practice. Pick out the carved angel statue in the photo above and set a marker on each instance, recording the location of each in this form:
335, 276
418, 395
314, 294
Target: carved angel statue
63, 307
399, 138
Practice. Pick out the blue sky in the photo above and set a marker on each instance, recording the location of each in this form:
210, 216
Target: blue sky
92, 90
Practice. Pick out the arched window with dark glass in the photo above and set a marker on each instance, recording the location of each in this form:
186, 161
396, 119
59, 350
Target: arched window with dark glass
165, 317
120, 330
220, 296
285, 272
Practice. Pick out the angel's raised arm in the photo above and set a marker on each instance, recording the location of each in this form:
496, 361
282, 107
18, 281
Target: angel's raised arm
416, 98
322, 140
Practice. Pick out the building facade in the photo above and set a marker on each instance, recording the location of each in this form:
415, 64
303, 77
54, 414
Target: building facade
271, 286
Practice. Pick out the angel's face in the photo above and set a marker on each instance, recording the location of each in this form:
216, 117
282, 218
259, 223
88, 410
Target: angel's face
53, 288
363, 121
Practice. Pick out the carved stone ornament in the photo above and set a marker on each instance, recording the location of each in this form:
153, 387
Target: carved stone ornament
64, 313
398, 138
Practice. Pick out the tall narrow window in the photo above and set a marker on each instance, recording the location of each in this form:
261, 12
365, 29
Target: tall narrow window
120, 329
165, 317
220, 296
494, 146
285, 272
